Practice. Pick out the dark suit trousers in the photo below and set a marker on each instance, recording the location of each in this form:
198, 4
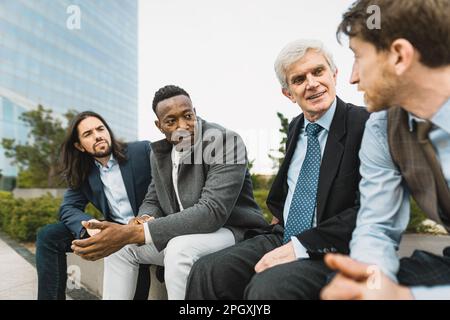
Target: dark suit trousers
52, 244
425, 269
229, 274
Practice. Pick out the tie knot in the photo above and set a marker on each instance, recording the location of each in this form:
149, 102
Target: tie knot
422, 129
313, 129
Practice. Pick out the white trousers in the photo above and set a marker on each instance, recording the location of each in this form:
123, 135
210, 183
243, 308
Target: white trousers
121, 269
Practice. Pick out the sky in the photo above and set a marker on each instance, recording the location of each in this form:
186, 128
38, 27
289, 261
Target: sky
222, 53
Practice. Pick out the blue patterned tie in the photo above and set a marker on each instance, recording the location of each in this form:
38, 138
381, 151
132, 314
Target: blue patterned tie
303, 201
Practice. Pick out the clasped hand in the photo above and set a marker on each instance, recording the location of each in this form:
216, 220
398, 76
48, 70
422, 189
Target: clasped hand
105, 238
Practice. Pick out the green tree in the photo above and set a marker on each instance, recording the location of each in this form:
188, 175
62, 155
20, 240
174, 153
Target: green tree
37, 159
278, 159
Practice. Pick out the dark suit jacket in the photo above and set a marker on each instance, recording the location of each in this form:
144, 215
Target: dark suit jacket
337, 194
136, 174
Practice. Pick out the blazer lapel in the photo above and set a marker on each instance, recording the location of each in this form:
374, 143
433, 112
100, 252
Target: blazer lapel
162, 152
333, 152
128, 179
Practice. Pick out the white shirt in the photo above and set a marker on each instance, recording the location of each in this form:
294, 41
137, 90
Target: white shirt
176, 156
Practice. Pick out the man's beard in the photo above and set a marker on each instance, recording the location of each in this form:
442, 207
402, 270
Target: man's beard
102, 154
383, 92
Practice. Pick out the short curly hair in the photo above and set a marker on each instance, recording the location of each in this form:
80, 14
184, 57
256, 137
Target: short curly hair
167, 92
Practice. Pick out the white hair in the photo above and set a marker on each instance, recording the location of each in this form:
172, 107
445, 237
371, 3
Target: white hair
294, 51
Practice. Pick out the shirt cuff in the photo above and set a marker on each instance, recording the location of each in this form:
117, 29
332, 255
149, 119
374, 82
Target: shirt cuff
300, 250
148, 237
431, 293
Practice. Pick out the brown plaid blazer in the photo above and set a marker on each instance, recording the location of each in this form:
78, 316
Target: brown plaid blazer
407, 154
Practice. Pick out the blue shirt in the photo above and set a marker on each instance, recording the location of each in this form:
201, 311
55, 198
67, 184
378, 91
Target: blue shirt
116, 194
296, 164
385, 207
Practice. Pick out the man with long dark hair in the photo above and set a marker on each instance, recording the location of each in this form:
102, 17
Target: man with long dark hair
98, 169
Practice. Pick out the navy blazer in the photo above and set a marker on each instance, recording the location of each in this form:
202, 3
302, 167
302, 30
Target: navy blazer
337, 192
136, 174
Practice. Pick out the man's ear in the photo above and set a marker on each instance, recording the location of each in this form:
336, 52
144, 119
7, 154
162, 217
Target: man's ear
402, 55
288, 94
335, 76
158, 125
79, 147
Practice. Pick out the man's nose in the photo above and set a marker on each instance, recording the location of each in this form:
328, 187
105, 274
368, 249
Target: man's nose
354, 78
98, 136
182, 124
311, 81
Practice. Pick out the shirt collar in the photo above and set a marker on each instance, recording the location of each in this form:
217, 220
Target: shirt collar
440, 119
111, 163
325, 120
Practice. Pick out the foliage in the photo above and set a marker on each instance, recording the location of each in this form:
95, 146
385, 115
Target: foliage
262, 181
278, 159
416, 220
261, 197
22, 218
7, 204
37, 159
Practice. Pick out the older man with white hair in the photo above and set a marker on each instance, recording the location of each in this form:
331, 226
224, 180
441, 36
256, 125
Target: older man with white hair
314, 197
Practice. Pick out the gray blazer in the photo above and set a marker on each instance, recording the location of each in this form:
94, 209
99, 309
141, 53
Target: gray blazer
214, 193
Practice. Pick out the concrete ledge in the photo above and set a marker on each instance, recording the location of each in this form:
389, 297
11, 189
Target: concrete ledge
90, 274
427, 242
18, 279
37, 192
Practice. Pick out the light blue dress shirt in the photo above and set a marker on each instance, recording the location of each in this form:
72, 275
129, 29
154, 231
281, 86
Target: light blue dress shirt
296, 164
385, 207
115, 191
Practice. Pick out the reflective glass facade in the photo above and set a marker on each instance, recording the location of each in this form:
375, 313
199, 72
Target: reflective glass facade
46, 59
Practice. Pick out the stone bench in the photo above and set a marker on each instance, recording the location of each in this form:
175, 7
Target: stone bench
92, 272
91, 277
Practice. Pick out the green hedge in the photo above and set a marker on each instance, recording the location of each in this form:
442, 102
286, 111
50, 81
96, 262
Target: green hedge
261, 197
262, 182
7, 205
21, 219
417, 217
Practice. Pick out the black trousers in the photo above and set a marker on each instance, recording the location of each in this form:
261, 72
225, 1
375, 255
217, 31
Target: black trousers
229, 274
425, 269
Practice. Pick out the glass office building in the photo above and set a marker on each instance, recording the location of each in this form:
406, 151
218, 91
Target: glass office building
68, 54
